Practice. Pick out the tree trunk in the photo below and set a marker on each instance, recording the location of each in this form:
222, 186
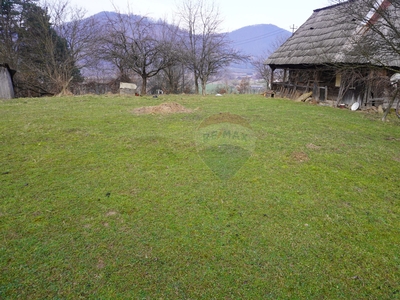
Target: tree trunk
387, 110
340, 94
65, 86
144, 85
196, 83
203, 87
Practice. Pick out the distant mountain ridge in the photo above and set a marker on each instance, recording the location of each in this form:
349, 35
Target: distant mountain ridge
253, 40
257, 40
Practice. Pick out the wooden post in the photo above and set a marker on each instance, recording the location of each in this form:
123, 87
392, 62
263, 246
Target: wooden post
316, 87
272, 77
326, 93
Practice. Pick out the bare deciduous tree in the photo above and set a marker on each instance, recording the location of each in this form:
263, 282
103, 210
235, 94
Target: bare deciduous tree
258, 62
80, 33
207, 51
263, 70
139, 45
244, 85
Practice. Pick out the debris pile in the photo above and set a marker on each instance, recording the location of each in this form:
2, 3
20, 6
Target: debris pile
306, 97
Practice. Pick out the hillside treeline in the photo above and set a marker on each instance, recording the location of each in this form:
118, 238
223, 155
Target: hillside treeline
56, 49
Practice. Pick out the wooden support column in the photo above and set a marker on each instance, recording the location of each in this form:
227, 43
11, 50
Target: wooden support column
326, 93
272, 76
316, 86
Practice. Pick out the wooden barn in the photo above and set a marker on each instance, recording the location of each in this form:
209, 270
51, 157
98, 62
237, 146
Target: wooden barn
6, 82
320, 58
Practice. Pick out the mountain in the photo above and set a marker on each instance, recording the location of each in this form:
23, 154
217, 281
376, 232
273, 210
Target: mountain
252, 40
256, 40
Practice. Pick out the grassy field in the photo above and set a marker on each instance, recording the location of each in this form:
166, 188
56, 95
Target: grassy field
100, 203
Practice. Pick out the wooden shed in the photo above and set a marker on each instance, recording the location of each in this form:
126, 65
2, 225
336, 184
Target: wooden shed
320, 57
6, 82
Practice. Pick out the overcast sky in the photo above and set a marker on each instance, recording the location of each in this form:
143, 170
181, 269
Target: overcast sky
235, 13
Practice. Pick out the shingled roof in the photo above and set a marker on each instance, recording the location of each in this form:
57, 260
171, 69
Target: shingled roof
326, 37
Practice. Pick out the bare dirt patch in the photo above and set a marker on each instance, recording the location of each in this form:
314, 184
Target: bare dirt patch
163, 108
100, 264
313, 147
300, 156
111, 213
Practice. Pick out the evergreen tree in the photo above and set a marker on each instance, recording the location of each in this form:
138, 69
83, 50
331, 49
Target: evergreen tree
32, 46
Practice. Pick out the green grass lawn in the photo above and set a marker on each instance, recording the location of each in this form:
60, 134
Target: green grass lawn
100, 203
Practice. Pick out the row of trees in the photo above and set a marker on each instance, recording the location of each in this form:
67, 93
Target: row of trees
50, 43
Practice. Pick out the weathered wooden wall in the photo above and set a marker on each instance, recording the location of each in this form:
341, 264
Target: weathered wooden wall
367, 86
6, 86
